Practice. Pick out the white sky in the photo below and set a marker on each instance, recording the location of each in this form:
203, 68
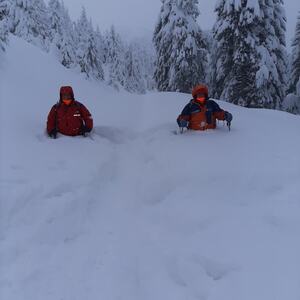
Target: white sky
136, 18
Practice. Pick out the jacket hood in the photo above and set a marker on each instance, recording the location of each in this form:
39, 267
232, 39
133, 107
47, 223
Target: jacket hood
66, 90
200, 89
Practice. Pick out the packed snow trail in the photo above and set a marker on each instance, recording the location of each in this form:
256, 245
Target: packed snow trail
137, 212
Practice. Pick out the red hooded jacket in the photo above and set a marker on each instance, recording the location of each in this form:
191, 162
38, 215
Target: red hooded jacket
73, 119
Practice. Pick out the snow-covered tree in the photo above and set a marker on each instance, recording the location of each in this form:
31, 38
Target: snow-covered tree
146, 54
210, 46
100, 44
55, 18
250, 60
134, 78
87, 53
61, 33
181, 59
236, 58
115, 58
272, 86
295, 74
163, 42
4, 27
29, 20
292, 100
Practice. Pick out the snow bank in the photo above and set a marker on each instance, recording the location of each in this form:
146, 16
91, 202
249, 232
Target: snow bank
136, 212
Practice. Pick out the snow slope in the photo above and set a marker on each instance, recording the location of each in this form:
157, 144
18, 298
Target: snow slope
136, 212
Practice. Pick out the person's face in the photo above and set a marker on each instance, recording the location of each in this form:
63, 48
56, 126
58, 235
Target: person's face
66, 99
201, 98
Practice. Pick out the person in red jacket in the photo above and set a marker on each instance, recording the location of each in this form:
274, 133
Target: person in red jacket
68, 117
201, 113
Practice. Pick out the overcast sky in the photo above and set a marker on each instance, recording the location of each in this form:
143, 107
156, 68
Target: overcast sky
136, 18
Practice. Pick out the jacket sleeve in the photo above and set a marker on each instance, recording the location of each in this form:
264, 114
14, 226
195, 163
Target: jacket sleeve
218, 112
87, 117
186, 113
51, 120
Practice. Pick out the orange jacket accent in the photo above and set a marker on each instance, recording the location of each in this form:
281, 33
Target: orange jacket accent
202, 117
200, 89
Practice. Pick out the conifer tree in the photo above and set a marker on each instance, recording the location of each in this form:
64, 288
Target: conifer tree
29, 20
100, 44
87, 54
250, 59
115, 59
146, 55
295, 75
4, 27
272, 86
62, 33
181, 55
292, 100
134, 77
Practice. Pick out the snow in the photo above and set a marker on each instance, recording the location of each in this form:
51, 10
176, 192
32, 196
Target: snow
291, 103
254, 5
134, 211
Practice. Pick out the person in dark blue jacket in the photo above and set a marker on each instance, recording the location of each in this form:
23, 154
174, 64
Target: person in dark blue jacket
201, 113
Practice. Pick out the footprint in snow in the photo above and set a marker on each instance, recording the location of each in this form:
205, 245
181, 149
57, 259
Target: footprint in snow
113, 134
216, 270
192, 271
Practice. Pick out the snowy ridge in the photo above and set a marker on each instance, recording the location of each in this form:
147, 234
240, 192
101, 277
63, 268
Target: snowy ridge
135, 212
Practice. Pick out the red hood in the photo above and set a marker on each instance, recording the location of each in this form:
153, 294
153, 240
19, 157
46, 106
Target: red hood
66, 90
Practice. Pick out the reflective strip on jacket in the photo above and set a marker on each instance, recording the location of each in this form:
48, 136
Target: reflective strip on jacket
69, 119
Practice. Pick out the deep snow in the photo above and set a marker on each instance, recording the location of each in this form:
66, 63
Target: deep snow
136, 212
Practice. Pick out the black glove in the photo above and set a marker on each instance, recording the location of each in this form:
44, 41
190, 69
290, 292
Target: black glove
85, 130
53, 133
228, 117
182, 123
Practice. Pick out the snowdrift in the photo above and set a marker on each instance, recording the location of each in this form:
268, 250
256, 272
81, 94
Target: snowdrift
134, 211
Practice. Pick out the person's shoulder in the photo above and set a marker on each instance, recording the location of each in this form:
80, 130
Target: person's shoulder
191, 102
56, 105
77, 103
212, 102
81, 106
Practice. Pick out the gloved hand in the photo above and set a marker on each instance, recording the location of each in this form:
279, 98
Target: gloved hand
228, 117
182, 123
85, 130
53, 133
